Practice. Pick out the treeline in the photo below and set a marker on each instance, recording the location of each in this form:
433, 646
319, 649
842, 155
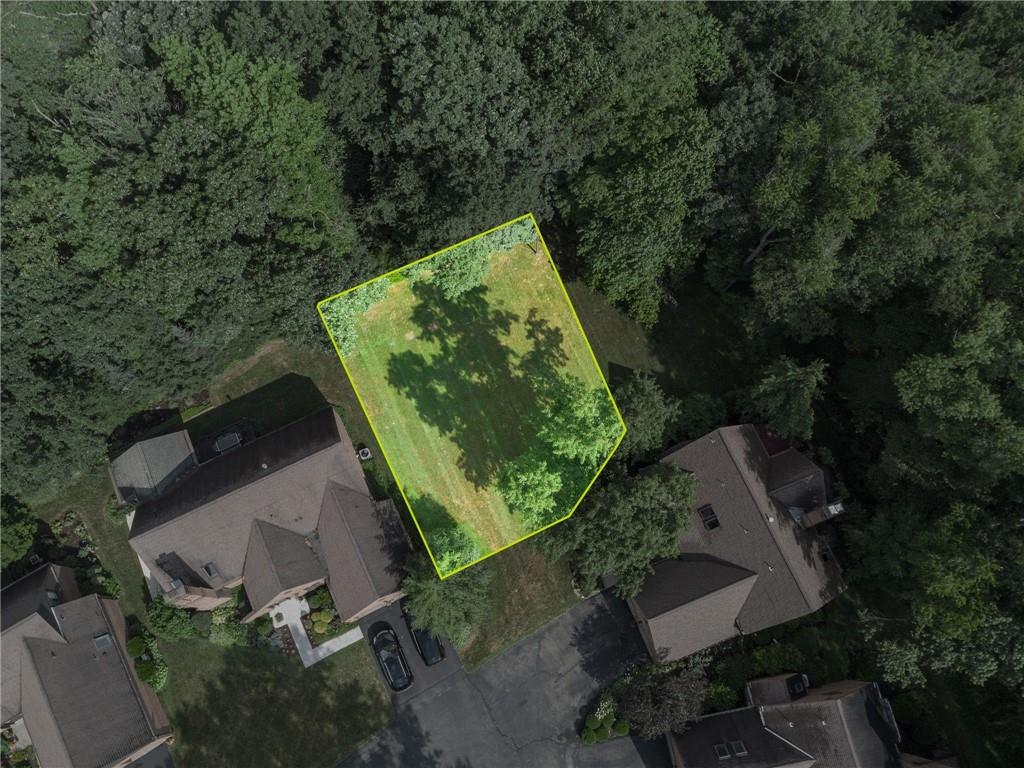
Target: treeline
184, 181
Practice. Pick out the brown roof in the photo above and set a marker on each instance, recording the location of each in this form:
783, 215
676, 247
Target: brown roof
691, 602
754, 533
277, 560
82, 703
279, 478
362, 543
27, 613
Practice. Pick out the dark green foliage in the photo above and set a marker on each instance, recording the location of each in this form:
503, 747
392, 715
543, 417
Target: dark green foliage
19, 527
719, 697
589, 736
699, 413
620, 727
776, 658
784, 398
136, 646
263, 626
649, 413
168, 622
593, 722
625, 526
449, 608
202, 621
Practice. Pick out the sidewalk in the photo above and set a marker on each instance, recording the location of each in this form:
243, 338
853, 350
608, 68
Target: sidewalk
292, 610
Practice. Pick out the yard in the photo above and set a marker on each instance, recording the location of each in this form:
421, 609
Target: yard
246, 706
460, 390
526, 592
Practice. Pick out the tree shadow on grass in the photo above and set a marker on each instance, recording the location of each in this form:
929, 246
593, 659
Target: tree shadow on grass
475, 389
264, 709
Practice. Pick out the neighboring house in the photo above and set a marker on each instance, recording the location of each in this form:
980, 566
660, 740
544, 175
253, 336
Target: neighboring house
281, 514
750, 558
149, 467
69, 688
787, 725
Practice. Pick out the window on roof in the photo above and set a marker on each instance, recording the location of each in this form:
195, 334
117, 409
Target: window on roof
722, 750
52, 598
102, 642
738, 747
708, 517
211, 571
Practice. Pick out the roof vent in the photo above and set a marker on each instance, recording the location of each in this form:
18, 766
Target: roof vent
227, 441
833, 509
102, 642
263, 465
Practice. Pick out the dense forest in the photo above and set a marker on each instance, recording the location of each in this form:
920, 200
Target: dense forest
183, 182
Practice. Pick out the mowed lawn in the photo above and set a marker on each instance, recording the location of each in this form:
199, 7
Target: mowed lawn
259, 708
438, 380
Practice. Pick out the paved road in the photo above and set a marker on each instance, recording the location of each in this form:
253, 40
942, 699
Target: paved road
523, 708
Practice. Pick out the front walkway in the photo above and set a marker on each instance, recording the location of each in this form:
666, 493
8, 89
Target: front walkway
291, 611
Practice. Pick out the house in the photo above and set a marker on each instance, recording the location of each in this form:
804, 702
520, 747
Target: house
785, 724
281, 514
751, 557
69, 688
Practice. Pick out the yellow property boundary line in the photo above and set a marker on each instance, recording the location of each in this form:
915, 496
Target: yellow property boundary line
319, 308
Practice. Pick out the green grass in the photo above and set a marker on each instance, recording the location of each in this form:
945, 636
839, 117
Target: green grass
243, 706
526, 592
451, 387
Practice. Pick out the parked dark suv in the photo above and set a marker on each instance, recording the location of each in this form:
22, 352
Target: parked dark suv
392, 662
428, 645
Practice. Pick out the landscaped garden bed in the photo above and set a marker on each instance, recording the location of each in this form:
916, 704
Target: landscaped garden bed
323, 622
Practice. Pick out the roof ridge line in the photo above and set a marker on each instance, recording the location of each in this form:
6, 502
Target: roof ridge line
776, 734
266, 552
344, 520
232, 492
764, 521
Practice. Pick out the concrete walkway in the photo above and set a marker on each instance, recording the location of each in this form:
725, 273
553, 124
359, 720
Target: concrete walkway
291, 611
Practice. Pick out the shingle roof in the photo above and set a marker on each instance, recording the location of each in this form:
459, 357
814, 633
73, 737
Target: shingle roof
733, 472
361, 543
277, 560
692, 602
26, 613
280, 478
844, 725
149, 467
765, 748
82, 704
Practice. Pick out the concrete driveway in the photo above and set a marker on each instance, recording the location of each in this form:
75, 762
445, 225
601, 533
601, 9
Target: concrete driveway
523, 708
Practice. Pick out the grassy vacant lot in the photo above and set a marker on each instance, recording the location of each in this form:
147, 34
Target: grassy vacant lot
454, 388
243, 706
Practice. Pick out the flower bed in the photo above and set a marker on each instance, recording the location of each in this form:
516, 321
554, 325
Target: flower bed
602, 724
322, 622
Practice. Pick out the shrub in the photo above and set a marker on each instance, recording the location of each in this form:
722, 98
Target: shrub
168, 622
777, 658
314, 600
263, 626
605, 707
153, 672
607, 720
115, 511
202, 621
589, 737
620, 728
234, 633
718, 697
321, 627
601, 734
593, 722
136, 647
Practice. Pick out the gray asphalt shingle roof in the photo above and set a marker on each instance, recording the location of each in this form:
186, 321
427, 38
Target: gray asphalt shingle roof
277, 560
734, 470
149, 467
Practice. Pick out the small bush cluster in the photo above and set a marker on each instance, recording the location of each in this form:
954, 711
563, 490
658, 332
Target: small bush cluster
169, 622
602, 724
150, 665
323, 620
